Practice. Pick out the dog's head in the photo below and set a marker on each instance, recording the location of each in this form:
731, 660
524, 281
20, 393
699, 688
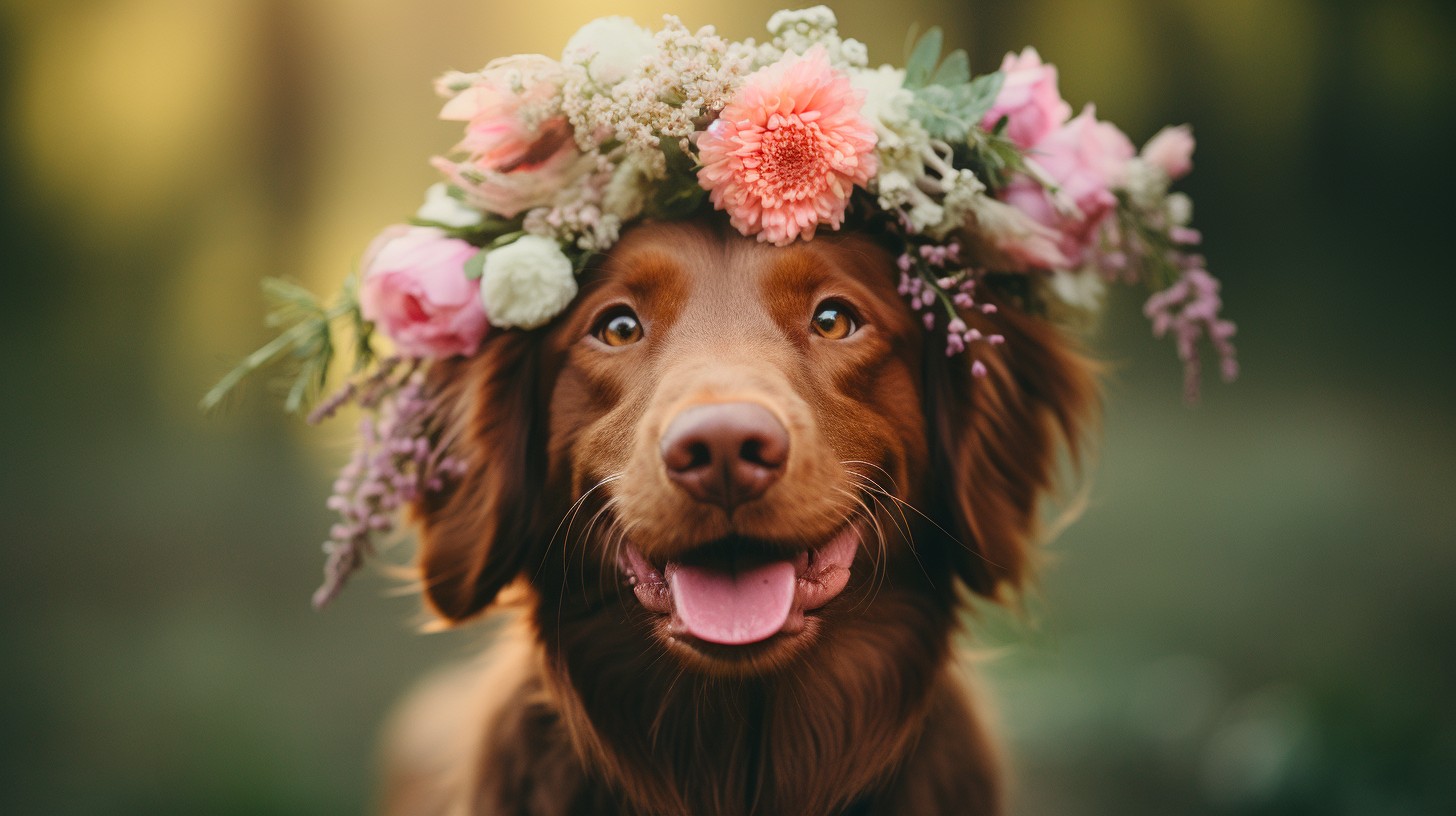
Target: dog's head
741, 449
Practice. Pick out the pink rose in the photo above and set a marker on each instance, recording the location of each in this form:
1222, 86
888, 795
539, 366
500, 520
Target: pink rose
416, 292
1171, 150
1028, 98
1085, 158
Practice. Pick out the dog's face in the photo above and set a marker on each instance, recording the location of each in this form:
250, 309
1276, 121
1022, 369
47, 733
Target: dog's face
742, 410
742, 449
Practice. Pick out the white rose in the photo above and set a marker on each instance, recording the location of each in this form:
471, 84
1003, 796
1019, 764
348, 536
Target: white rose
611, 48
526, 283
443, 209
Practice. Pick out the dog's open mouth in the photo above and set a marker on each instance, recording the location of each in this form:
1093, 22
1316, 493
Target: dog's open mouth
728, 593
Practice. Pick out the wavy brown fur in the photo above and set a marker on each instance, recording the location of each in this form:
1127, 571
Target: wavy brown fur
590, 706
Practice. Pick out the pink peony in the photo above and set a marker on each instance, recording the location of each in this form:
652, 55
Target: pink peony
511, 193
1171, 150
515, 155
415, 290
786, 152
1029, 99
1085, 158
503, 110
1011, 241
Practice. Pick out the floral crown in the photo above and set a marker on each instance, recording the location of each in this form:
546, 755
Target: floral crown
972, 178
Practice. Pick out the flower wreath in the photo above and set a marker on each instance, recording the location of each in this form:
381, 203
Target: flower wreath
978, 179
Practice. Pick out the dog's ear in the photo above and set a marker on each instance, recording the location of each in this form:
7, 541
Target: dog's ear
995, 440
476, 535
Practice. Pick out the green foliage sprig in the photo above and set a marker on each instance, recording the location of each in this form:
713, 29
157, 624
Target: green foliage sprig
948, 102
306, 342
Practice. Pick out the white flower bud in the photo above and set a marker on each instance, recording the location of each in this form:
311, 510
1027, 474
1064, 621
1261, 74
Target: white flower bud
526, 283
443, 209
1180, 209
611, 48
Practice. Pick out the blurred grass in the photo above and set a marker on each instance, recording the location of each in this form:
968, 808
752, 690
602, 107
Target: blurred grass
1252, 617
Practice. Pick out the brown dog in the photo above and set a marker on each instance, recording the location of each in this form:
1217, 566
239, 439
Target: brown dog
737, 486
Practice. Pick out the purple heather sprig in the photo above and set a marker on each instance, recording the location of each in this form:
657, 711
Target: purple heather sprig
398, 457
931, 277
1189, 309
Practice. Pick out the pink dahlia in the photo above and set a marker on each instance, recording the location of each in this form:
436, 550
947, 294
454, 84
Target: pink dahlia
784, 155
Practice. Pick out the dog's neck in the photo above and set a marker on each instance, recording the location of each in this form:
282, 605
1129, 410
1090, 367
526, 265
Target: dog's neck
814, 737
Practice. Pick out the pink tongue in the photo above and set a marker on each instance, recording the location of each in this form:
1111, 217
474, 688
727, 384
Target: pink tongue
723, 607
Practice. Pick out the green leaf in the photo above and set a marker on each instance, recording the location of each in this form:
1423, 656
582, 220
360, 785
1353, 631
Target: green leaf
679, 195
676, 200
955, 70
942, 111
475, 267
982, 94
363, 330
921, 64
911, 37
269, 353
285, 292
501, 240
307, 338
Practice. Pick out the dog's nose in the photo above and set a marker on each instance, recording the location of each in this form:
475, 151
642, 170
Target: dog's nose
725, 453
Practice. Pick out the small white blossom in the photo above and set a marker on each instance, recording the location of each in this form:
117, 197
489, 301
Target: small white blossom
802, 29
444, 209
855, 53
1083, 289
1145, 183
526, 283
887, 102
816, 19
609, 48
1180, 209
965, 198
687, 76
626, 193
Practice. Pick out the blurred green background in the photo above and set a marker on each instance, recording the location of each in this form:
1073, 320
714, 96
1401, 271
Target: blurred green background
1254, 616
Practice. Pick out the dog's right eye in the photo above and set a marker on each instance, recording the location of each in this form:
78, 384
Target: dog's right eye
619, 328
833, 320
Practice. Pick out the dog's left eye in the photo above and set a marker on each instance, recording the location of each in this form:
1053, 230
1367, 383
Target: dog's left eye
833, 321
619, 328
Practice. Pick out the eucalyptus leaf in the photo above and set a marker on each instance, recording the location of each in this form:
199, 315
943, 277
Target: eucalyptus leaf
921, 64
940, 110
982, 94
955, 70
